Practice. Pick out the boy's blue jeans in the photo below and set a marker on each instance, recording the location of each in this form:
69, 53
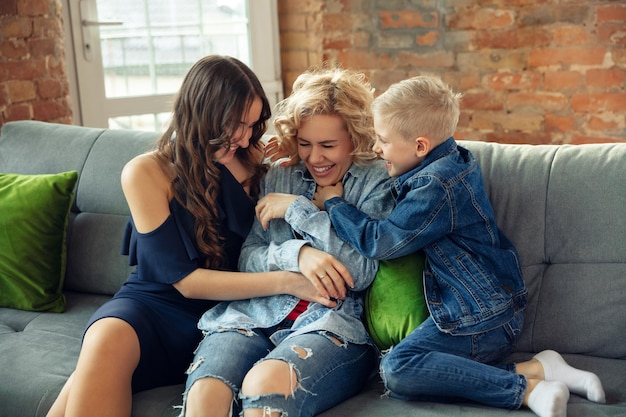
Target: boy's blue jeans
430, 365
328, 372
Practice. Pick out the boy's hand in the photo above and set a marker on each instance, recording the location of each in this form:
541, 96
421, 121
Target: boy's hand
273, 206
325, 193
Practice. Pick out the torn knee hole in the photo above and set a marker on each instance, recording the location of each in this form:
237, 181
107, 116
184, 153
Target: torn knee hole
303, 353
194, 365
335, 340
245, 332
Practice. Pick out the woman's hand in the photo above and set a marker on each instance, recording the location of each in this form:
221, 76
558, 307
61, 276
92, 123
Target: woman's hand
273, 206
326, 193
326, 273
304, 289
273, 152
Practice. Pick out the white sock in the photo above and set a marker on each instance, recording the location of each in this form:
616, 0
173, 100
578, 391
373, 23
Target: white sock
584, 383
549, 399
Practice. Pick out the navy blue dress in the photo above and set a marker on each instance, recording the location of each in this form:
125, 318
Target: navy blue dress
164, 320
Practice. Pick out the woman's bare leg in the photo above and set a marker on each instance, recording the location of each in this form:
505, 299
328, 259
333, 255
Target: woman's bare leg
269, 377
60, 404
208, 397
101, 384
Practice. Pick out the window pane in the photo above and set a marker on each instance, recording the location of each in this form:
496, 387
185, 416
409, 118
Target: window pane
150, 122
160, 40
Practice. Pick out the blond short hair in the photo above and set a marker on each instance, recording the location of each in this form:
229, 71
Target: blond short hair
420, 106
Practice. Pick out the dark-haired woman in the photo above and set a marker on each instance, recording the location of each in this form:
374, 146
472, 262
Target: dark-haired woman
192, 205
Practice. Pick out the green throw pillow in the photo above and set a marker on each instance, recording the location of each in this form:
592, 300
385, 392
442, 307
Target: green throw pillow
34, 212
394, 303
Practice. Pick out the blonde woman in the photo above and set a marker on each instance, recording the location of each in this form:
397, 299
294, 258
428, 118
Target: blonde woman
282, 355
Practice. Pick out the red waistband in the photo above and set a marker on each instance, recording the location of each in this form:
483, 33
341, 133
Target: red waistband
298, 309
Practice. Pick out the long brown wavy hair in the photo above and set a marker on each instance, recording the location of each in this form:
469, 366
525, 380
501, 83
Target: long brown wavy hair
215, 94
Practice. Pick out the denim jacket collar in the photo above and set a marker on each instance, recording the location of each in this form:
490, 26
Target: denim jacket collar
442, 150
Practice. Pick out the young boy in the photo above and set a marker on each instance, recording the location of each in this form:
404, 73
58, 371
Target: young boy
472, 281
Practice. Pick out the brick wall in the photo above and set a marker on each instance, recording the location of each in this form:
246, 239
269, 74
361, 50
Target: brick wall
33, 81
550, 71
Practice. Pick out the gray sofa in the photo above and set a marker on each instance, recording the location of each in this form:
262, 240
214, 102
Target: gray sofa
563, 206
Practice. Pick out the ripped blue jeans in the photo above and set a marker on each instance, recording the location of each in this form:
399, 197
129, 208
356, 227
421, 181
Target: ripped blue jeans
329, 371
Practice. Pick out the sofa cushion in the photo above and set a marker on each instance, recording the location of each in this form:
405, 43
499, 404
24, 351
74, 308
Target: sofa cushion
33, 225
563, 208
94, 244
38, 352
101, 213
31, 147
394, 303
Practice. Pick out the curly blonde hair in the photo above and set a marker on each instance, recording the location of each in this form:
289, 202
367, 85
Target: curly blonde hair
214, 95
328, 91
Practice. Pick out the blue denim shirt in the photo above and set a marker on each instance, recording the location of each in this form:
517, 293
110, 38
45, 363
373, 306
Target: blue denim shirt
472, 280
368, 188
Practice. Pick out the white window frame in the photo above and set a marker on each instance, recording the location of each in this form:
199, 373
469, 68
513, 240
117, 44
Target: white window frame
264, 46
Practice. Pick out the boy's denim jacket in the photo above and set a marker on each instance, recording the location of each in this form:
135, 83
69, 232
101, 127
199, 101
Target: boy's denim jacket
278, 248
472, 280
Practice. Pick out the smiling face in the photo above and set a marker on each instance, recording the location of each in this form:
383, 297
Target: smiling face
325, 147
401, 155
241, 137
